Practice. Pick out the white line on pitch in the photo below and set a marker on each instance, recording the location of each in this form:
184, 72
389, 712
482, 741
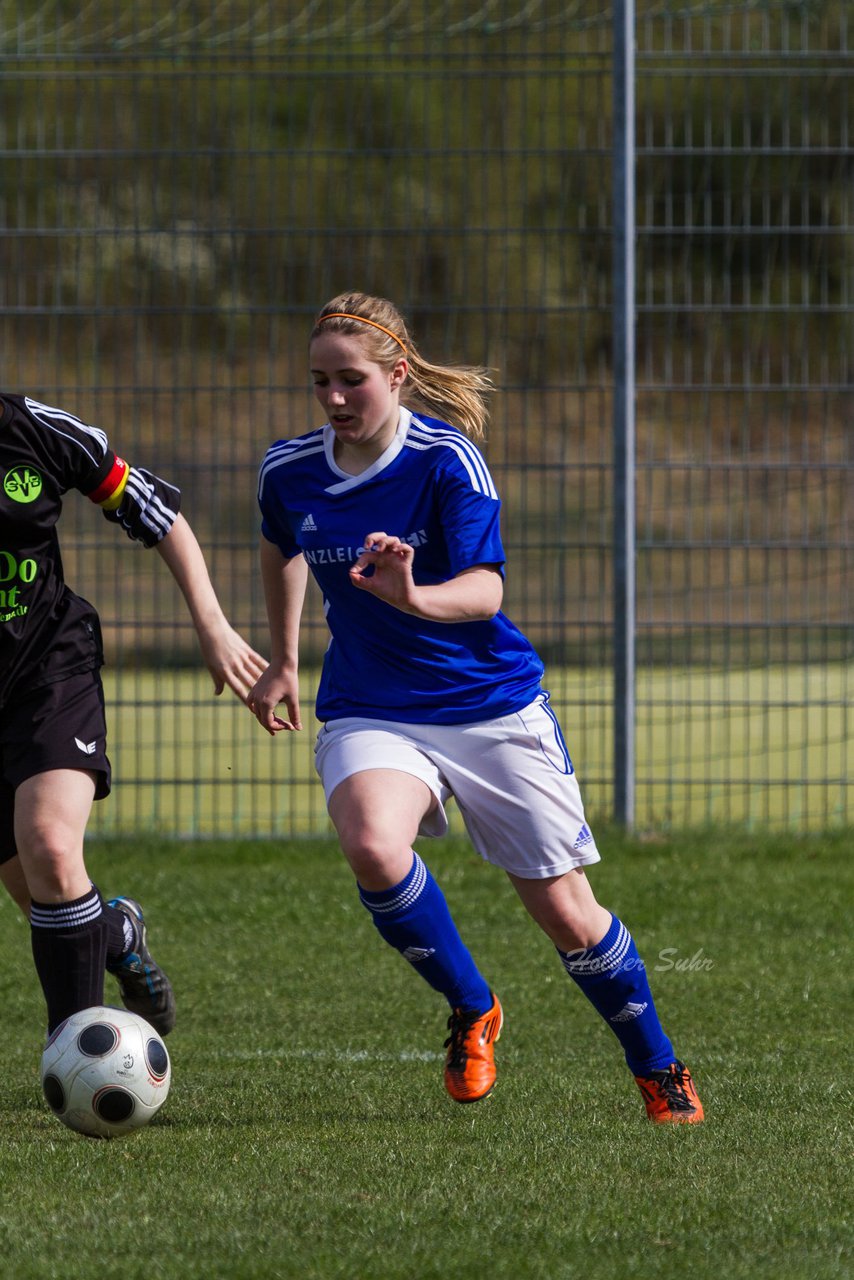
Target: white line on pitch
332, 1055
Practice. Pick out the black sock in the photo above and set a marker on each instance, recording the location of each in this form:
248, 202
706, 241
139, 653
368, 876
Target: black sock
70, 951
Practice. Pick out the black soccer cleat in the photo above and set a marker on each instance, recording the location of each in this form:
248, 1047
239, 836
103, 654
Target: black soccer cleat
143, 985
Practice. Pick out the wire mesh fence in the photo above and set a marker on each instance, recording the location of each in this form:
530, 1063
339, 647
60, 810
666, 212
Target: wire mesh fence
185, 185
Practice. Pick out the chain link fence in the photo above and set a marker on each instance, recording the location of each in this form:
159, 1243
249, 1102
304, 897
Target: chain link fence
184, 185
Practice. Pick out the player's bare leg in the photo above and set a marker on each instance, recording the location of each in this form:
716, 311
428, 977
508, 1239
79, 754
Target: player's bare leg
68, 930
72, 928
565, 908
377, 813
15, 883
51, 813
599, 954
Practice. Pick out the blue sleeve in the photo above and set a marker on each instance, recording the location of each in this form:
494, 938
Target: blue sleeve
283, 541
274, 525
471, 514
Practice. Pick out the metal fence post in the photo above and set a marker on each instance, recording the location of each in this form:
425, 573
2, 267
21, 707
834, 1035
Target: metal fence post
624, 416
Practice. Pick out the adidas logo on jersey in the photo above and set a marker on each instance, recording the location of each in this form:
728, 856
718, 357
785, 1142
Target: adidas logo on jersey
308, 525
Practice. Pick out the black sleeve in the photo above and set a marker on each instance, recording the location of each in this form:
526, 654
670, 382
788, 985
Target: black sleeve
147, 507
143, 504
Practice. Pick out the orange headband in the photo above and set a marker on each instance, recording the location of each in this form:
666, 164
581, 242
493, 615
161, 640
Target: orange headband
345, 315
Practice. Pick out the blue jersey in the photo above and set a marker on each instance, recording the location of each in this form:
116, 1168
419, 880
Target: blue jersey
431, 488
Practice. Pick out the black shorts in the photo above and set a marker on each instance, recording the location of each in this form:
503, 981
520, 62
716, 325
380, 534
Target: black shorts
60, 726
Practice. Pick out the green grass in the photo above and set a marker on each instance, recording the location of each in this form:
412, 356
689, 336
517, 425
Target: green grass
307, 1133
769, 747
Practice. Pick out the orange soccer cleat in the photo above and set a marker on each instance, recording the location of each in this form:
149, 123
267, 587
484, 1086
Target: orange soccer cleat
670, 1096
470, 1064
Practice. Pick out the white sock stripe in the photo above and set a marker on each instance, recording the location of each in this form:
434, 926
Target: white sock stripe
580, 964
407, 896
66, 916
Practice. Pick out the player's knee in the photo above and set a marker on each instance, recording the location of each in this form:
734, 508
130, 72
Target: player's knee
52, 863
376, 860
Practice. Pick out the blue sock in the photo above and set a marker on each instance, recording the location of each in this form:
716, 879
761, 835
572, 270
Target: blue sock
613, 977
413, 917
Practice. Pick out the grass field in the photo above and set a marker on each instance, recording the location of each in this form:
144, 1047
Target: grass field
307, 1134
769, 747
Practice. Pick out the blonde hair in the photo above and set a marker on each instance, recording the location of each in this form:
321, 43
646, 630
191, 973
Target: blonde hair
459, 393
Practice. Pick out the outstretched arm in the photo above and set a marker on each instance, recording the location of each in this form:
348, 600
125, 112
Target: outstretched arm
284, 593
227, 656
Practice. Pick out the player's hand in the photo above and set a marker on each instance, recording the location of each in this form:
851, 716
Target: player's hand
391, 579
230, 660
276, 686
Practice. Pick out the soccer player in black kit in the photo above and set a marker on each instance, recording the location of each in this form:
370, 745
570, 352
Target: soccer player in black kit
53, 761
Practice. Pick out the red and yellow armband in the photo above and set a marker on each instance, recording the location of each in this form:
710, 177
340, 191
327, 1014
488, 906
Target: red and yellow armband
109, 492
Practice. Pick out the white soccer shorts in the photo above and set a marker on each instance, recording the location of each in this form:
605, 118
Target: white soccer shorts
512, 779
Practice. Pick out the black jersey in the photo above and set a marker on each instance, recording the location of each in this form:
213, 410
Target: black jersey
46, 631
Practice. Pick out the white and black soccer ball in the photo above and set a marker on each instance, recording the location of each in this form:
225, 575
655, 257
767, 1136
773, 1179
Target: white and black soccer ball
105, 1072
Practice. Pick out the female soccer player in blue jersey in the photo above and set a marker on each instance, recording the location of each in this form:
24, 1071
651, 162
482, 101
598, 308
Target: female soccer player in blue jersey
53, 760
428, 691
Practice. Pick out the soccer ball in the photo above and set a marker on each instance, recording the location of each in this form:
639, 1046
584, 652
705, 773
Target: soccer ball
105, 1072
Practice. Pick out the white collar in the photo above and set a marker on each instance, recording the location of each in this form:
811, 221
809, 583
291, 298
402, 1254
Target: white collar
379, 464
